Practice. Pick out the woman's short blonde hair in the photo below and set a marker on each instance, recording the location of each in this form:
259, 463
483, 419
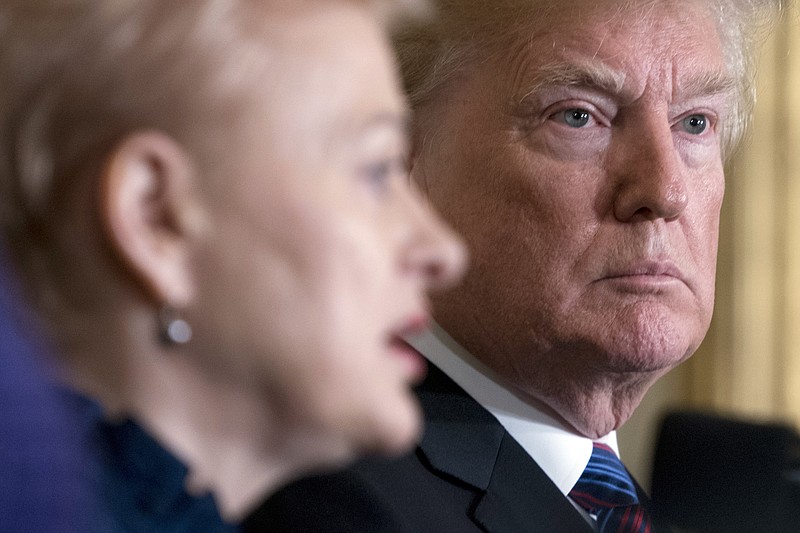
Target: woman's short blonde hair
80, 75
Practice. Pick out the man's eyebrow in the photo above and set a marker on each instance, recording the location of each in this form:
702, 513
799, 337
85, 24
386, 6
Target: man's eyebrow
602, 78
597, 76
708, 84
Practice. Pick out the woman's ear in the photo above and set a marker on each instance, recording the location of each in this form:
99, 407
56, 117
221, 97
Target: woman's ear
149, 211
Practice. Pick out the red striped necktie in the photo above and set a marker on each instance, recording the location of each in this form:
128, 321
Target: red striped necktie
605, 489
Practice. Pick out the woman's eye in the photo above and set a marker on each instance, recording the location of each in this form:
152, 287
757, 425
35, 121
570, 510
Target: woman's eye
576, 118
695, 124
380, 173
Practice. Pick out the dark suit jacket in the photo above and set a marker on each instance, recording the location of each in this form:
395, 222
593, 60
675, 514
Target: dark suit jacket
467, 475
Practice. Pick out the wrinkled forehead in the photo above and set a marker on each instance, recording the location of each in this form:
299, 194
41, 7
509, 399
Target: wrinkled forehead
640, 17
597, 20
619, 47
609, 11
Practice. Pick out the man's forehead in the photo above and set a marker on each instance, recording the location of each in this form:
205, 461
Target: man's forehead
619, 60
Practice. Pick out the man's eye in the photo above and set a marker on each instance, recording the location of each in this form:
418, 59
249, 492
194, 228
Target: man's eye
695, 124
576, 118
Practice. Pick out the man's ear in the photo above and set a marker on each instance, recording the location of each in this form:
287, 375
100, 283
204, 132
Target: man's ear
149, 213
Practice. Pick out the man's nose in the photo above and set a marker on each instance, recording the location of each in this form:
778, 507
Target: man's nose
651, 176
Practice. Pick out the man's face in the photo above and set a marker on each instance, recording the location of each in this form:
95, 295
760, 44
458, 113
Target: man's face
583, 167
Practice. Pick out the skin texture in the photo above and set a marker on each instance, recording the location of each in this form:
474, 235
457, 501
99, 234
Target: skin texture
582, 164
299, 257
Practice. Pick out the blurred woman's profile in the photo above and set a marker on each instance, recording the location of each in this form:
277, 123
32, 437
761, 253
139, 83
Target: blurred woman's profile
208, 202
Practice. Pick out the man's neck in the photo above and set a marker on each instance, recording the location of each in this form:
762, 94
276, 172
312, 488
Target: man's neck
561, 451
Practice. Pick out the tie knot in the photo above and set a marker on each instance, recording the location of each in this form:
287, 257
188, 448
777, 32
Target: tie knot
605, 482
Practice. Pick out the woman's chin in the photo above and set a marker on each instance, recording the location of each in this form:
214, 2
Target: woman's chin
391, 427
400, 431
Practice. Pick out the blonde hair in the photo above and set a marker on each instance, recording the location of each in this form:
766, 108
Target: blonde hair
80, 75
468, 31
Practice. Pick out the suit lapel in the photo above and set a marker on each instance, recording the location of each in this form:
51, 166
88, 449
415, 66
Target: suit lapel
464, 441
461, 438
521, 497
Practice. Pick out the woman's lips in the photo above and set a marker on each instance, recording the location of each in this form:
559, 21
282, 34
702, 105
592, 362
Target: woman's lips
414, 365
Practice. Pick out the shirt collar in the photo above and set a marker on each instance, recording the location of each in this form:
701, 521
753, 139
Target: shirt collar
560, 452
